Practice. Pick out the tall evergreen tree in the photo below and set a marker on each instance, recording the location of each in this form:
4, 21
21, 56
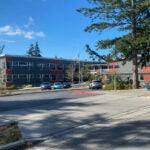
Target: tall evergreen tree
37, 51
132, 16
34, 50
31, 50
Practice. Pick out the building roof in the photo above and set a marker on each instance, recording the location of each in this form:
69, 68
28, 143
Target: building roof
26, 56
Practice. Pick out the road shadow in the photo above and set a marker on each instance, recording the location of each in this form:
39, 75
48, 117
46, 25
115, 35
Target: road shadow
76, 125
135, 134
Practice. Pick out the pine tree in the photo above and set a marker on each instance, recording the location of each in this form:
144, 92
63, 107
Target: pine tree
31, 50
37, 51
132, 16
34, 50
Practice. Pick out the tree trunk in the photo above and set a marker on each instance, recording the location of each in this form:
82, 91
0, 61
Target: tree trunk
135, 84
134, 50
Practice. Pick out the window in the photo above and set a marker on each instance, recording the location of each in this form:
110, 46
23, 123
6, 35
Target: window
4, 66
53, 77
40, 65
46, 75
30, 76
23, 63
59, 67
39, 76
52, 66
59, 77
30, 64
96, 67
15, 63
8, 65
22, 76
116, 66
46, 65
7, 78
15, 76
141, 77
148, 63
104, 67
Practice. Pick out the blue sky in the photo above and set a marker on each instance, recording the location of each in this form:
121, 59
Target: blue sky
54, 24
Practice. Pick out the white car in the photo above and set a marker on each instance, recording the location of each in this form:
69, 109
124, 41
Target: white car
95, 84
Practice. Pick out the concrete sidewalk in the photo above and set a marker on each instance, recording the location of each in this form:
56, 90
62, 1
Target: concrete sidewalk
114, 120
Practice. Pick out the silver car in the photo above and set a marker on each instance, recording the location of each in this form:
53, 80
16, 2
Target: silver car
45, 85
95, 84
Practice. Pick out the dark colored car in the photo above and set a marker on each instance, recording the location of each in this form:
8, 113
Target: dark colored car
67, 84
45, 85
95, 84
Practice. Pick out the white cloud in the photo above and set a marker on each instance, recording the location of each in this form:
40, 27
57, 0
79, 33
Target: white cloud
40, 34
32, 35
5, 29
29, 35
29, 23
7, 41
16, 31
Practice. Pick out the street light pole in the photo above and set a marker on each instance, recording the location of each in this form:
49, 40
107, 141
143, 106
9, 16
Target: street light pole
79, 71
72, 73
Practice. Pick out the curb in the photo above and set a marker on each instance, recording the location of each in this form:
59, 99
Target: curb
27, 91
12, 145
15, 145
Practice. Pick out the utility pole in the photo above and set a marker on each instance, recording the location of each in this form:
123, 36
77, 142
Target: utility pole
72, 72
79, 71
115, 86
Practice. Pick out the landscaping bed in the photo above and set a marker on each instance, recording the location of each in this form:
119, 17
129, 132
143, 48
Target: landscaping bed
9, 133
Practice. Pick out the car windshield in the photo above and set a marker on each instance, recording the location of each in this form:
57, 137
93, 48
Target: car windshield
96, 81
57, 83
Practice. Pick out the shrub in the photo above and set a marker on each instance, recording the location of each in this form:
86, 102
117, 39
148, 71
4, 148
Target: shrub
12, 87
27, 86
108, 86
119, 86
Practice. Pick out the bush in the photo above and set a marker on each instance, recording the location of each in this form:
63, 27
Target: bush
108, 86
12, 87
119, 86
27, 86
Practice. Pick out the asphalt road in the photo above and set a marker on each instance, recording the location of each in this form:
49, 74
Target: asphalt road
75, 120
34, 100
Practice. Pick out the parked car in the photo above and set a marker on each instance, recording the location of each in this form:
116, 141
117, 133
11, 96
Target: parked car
95, 84
57, 85
45, 85
67, 84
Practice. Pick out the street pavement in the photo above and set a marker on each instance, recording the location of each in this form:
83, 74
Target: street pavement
108, 120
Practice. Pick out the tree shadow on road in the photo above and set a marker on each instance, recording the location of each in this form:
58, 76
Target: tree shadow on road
130, 134
77, 126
